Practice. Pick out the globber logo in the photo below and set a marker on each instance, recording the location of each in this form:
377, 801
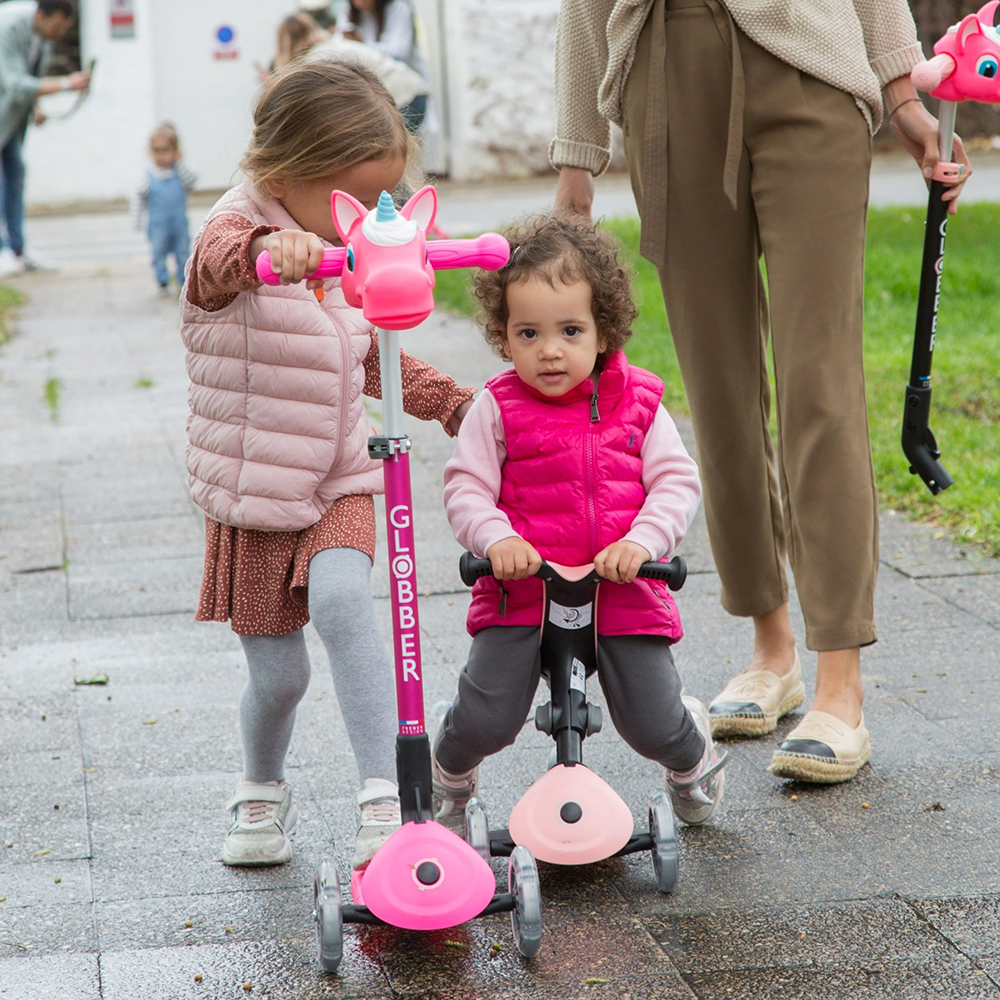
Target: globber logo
402, 572
938, 268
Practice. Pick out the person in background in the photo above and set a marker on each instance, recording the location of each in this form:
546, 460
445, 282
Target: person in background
391, 27
162, 196
27, 30
301, 37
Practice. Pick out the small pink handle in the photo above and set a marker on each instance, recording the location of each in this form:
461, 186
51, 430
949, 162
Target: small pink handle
489, 251
930, 75
332, 266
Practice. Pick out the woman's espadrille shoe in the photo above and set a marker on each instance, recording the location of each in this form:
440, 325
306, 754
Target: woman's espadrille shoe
752, 702
822, 749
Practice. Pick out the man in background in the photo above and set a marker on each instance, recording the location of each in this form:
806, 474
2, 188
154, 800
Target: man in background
27, 30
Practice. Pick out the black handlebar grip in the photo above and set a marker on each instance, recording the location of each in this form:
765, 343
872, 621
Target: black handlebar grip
471, 568
672, 573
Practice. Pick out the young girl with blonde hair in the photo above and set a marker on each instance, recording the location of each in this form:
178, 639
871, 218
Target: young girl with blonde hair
277, 440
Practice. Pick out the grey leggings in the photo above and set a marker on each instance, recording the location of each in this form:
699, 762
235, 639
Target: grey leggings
496, 689
341, 609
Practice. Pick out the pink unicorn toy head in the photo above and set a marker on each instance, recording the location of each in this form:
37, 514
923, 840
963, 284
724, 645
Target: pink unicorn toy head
386, 271
970, 69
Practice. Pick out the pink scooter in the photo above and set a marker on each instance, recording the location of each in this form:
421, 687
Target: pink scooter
424, 877
571, 816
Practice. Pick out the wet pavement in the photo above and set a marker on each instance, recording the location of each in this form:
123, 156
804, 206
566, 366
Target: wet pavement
111, 813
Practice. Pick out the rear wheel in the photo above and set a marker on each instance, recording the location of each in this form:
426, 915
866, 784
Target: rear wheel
477, 828
526, 917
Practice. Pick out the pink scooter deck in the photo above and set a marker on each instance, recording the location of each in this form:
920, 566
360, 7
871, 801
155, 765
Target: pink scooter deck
546, 822
425, 878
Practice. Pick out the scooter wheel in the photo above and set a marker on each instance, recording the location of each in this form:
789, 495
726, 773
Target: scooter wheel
663, 832
477, 828
526, 917
328, 916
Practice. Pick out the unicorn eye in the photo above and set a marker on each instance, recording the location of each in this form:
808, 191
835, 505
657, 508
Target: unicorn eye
987, 66
350, 257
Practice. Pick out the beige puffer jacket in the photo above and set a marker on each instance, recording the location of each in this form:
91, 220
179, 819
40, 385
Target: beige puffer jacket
277, 429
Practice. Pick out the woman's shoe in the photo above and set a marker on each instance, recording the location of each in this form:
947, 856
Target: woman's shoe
822, 749
752, 702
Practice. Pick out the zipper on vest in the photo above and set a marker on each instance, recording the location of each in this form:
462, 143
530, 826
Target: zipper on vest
595, 416
502, 612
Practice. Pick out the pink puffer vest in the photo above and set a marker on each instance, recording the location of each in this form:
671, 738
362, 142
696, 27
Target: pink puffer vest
277, 429
571, 486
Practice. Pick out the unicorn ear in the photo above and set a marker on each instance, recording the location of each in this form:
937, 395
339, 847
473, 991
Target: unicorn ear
345, 211
970, 26
988, 12
422, 207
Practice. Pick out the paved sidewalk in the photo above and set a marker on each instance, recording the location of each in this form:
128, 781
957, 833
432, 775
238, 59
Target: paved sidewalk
111, 818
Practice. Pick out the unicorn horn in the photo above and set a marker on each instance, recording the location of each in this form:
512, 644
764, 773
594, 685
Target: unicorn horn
385, 211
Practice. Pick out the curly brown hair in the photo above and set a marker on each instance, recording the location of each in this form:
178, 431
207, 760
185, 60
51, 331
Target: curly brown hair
564, 249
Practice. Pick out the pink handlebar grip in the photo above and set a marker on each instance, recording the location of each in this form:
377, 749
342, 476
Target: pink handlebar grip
489, 251
331, 267
930, 75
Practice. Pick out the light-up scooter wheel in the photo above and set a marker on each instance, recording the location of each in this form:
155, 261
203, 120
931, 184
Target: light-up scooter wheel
526, 917
328, 916
477, 828
663, 832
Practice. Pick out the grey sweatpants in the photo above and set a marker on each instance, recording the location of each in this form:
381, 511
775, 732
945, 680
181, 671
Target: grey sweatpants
496, 689
340, 607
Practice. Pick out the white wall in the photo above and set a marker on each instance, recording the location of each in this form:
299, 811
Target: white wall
499, 57
491, 60
166, 71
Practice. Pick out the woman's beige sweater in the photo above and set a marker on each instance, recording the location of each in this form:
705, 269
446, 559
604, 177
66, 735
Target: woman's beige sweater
854, 45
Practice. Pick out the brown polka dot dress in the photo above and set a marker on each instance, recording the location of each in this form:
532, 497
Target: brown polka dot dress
258, 580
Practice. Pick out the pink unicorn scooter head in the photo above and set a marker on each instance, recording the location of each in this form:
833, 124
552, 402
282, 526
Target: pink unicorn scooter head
966, 64
386, 270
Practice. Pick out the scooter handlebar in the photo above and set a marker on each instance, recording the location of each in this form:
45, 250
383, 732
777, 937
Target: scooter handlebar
489, 251
672, 573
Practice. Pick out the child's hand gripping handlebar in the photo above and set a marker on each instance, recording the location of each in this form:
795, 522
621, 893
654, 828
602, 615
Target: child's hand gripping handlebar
673, 573
489, 251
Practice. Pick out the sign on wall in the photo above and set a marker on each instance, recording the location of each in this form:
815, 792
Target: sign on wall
122, 19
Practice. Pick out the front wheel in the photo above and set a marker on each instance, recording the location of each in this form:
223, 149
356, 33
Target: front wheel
526, 917
329, 917
663, 832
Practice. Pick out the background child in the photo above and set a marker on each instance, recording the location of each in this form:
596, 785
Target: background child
277, 441
163, 196
572, 458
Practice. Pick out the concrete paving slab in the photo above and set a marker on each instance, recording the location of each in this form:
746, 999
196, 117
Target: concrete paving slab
149, 587
69, 977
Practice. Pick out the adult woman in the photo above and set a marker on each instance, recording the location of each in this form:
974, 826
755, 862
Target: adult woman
391, 27
771, 107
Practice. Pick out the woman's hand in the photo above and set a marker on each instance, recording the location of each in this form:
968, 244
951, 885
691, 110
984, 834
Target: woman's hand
620, 561
916, 130
513, 558
293, 255
575, 192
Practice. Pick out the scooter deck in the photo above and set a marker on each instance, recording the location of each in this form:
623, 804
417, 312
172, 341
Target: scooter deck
501, 843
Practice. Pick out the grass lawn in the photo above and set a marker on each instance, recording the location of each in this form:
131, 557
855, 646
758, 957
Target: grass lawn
965, 409
10, 299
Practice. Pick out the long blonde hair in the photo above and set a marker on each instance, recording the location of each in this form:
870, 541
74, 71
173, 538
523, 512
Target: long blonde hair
319, 118
297, 34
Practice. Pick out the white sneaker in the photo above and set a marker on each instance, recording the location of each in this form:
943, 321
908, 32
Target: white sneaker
9, 263
450, 792
31, 261
263, 815
696, 794
380, 818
